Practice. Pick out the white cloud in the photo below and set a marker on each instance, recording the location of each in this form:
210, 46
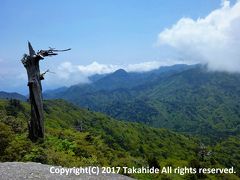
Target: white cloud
150, 65
96, 68
67, 74
214, 39
65, 69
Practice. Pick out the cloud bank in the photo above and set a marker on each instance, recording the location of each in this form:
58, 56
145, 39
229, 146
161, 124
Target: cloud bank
14, 79
213, 40
68, 74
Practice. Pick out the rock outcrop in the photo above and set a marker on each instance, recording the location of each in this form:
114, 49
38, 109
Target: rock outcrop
38, 171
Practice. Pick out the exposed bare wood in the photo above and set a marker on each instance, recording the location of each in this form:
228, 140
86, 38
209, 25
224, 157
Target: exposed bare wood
31, 63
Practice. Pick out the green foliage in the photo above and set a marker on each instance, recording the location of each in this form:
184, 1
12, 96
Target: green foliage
13, 107
5, 137
17, 149
18, 125
37, 154
192, 101
228, 152
103, 141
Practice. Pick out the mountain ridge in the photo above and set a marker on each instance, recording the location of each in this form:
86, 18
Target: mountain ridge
12, 95
179, 100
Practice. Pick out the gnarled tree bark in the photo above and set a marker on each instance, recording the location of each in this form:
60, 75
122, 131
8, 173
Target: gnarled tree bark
36, 124
31, 63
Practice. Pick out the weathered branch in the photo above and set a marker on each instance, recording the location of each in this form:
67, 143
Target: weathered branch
31, 63
50, 52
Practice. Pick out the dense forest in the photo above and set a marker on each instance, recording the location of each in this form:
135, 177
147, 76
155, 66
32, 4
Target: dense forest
78, 137
188, 99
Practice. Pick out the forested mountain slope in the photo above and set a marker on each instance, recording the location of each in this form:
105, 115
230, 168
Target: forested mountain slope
7, 95
77, 137
191, 100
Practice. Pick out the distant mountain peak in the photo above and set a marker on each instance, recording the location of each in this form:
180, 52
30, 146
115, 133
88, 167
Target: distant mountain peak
120, 71
12, 95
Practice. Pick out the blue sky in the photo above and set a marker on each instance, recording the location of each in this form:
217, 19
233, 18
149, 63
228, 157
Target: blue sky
106, 31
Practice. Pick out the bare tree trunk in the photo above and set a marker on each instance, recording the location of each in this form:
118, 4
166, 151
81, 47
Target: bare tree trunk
31, 63
36, 124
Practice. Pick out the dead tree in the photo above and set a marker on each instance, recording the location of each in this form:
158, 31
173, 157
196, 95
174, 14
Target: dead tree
31, 63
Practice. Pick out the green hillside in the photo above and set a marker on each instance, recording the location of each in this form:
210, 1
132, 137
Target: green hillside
193, 101
77, 137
